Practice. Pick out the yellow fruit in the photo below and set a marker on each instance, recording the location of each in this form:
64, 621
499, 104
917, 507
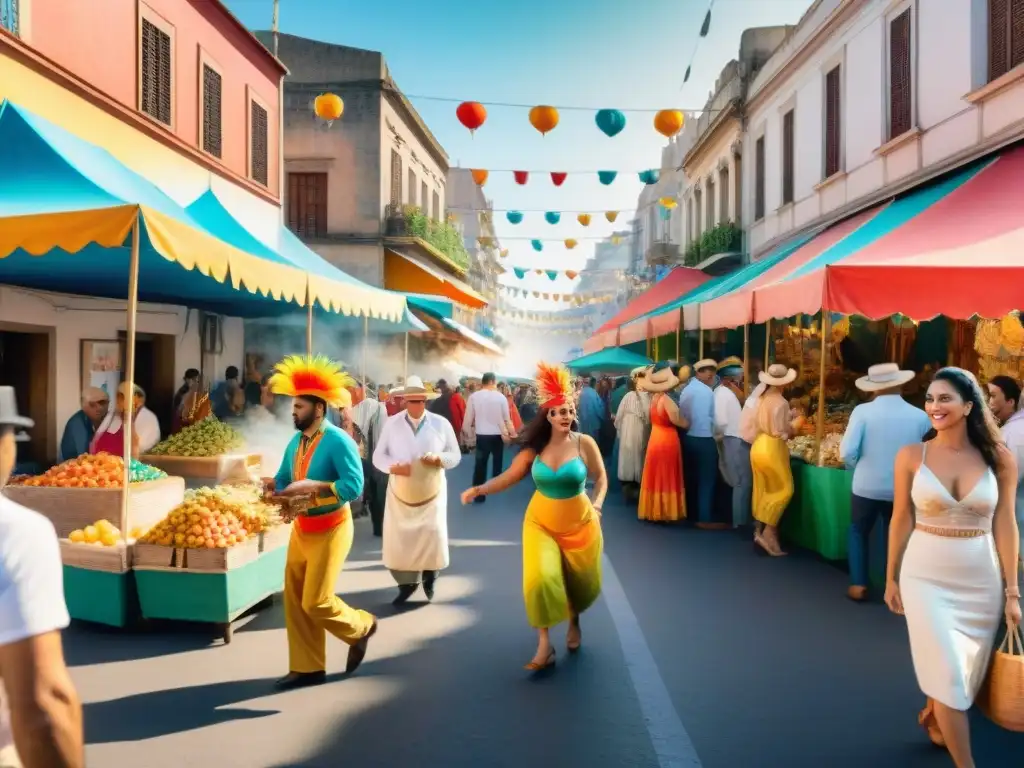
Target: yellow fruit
91, 534
109, 540
77, 536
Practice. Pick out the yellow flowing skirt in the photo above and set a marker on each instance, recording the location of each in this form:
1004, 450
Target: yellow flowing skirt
773, 478
562, 547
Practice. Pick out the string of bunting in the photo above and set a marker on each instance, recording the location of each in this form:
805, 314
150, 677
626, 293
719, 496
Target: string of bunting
584, 218
545, 118
647, 176
552, 274
540, 316
538, 243
578, 299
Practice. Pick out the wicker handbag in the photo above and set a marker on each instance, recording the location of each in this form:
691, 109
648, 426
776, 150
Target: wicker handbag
1002, 699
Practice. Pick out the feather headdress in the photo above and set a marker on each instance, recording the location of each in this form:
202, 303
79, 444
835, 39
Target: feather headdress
554, 385
318, 376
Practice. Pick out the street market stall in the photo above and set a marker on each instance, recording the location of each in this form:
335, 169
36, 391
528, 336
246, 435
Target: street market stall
611, 360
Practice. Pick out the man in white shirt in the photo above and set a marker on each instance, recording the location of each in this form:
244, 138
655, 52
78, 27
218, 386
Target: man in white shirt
488, 416
40, 714
735, 451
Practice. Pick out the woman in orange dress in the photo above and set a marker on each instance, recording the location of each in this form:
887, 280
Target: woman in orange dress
662, 494
513, 411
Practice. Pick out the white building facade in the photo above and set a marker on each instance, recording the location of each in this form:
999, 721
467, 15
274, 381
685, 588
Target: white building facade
869, 98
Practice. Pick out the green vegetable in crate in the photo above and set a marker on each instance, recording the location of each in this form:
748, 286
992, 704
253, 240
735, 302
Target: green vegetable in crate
209, 437
143, 473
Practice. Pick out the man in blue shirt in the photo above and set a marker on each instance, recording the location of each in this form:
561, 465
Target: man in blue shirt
875, 434
591, 409
81, 427
700, 454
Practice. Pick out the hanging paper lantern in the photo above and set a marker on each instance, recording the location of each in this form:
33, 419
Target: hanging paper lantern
329, 107
536, 294
552, 274
650, 176
668, 202
558, 178
584, 219
611, 215
471, 114
570, 243
607, 177
537, 245
665, 214
552, 217
668, 122
544, 118
503, 253
520, 176
520, 272
571, 274
479, 176
610, 121
514, 217
538, 271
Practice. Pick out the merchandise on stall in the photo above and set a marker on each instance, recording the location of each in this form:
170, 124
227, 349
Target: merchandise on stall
207, 450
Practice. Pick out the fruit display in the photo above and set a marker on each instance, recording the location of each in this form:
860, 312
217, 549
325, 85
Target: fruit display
209, 437
802, 447
102, 533
100, 470
214, 518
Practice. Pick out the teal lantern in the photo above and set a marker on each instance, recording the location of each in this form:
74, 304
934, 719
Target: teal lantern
520, 272
610, 121
607, 177
514, 217
537, 245
552, 217
650, 176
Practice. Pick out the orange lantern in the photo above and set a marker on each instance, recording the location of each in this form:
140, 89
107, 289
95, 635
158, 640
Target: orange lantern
571, 274
329, 107
471, 114
668, 122
479, 176
611, 215
544, 118
570, 243
584, 219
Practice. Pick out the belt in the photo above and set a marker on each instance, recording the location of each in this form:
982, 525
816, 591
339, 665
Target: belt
321, 523
410, 503
951, 533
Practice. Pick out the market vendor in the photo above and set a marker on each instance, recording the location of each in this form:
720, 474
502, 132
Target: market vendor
81, 428
322, 463
874, 435
735, 458
145, 426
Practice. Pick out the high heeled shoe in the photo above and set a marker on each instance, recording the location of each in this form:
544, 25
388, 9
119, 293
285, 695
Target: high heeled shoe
533, 666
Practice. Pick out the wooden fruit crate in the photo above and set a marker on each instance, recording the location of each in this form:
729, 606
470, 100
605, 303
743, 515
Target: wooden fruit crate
156, 556
205, 560
70, 509
94, 558
216, 469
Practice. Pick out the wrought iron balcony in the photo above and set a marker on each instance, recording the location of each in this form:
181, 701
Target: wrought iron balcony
9, 16
662, 253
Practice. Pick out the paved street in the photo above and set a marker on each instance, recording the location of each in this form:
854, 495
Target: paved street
697, 644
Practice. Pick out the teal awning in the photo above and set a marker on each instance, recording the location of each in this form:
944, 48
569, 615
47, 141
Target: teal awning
609, 360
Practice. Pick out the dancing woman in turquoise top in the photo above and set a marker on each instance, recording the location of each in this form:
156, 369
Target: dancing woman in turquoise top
562, 540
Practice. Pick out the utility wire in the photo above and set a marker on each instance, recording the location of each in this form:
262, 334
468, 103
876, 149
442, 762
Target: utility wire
704, 29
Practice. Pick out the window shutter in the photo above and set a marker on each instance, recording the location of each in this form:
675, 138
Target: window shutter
423, 197
307, 204
212, 100
788, 158
259, 144
900, 96
833, 123
396, 178
759, 179
1016, 25
998, 38
155, 72
723, 196
435, 206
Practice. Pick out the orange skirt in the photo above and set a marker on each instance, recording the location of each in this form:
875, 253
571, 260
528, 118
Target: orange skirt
662, 494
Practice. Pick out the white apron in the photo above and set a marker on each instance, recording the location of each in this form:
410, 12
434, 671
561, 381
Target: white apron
416, 507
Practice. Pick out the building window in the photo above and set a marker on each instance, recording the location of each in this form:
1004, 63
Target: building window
212, 84
396, 178
155, 72
900, 75
723, 196
424, 196
833, 122
9, 16
259, 144
435, 208
1005, 36
759, 179
710, 205
411, 189
307, 204
788, 157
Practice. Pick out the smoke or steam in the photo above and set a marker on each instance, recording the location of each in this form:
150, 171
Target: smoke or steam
266, 435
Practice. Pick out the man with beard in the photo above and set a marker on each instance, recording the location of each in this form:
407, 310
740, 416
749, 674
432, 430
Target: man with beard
321, 464
415, 448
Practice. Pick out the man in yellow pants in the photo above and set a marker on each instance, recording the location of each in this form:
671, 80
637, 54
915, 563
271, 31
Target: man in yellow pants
321, 462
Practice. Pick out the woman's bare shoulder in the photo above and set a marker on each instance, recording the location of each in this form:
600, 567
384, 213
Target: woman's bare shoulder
909, 456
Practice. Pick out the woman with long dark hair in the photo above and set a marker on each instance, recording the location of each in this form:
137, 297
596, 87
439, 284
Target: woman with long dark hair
562, 540
953, 548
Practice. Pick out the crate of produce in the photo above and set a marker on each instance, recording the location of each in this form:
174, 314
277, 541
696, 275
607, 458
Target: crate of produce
222, 558
201, 450
216, 469
97, 557
147, 555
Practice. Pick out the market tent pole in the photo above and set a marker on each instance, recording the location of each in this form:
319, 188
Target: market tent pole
800, 327
679, 339
700, 339
309, 322
366, 343
405, 366
819, 427
128, 418
657, 349
767, 342
649, 345
746, 358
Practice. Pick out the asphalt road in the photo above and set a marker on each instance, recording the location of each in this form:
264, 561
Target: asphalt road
698, 653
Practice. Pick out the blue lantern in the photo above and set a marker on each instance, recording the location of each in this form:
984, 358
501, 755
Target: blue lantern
552, 217
650, 177
610, 121
607, 177
537, 245
514, 217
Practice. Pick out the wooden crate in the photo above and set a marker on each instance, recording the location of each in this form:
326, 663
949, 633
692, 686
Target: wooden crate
157, 556
219, 560
71, 509
216, 469
94, 558
276, 537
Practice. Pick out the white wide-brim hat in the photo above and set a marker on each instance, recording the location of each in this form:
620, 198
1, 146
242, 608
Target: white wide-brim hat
705, 363
414, 387
777, 375
883, 376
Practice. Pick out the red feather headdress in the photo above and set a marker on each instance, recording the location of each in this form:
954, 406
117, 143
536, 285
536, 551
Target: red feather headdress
554, 385
318, 376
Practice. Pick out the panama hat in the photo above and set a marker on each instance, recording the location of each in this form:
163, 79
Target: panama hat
661, 379
414, 387
9, 416
700, 365
777, 375
883, 376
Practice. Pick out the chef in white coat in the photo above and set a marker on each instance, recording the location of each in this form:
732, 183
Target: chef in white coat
415, 448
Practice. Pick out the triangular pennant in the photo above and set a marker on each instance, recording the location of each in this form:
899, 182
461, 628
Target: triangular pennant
551, 273
558, 178
520, 273
571, 274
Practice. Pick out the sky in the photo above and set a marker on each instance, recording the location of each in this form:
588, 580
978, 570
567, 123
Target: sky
597, 54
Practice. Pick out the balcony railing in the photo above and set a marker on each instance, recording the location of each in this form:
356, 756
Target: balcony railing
723, 238
410, 221
9, 15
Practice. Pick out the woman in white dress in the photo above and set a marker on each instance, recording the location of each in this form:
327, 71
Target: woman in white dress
953, 553
632, 422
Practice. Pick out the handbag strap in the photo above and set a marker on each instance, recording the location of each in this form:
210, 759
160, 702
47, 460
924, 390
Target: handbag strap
1013, 644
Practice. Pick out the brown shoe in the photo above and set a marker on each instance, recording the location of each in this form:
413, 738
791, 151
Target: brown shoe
857, 594
357, 651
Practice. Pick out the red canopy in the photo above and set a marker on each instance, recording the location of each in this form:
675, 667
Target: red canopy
678, 282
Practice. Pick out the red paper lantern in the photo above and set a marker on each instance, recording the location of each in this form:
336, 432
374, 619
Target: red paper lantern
521, 176
558, 178
471, 114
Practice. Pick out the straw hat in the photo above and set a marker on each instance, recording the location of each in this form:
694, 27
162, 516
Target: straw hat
639, 372
883, 376
705, 363
731, 362
661, 379
777, 375
414, 387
